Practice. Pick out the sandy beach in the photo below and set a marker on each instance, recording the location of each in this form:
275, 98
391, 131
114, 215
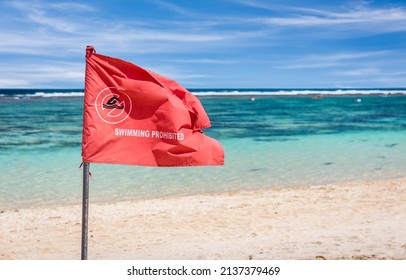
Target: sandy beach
357, 220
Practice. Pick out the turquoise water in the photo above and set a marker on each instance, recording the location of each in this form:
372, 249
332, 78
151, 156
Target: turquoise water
269, 142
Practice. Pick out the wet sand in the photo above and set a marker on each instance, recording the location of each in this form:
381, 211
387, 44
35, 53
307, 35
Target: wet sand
356, 220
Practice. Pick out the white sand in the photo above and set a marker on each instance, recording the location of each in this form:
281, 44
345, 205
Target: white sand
359, 220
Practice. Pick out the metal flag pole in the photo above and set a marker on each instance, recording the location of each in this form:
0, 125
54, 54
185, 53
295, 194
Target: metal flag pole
85, 209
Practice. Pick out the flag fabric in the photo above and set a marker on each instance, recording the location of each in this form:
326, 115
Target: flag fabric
137, 117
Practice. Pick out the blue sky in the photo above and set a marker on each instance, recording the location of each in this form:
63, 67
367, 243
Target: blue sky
208, 43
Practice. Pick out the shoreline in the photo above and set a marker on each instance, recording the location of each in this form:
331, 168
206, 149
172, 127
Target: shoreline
11, 94
352, 220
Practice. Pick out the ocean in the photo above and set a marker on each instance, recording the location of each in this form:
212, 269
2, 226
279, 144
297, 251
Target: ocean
273, 138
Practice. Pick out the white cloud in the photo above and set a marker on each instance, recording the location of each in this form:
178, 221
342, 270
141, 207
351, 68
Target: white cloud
72, 6
360, 17
203, 61
359, 72
42, 75
40, 29
282, 38
174, 8
332, 60
43, 14
378, 81
12, 82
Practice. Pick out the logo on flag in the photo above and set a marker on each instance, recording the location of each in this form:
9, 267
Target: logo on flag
112, 106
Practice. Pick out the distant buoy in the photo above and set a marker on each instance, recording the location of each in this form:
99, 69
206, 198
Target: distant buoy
358, 100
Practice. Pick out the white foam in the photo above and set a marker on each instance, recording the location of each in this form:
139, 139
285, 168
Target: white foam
56, 94
51, 94
296, 92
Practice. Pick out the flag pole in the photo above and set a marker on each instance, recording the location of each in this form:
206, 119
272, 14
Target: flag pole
85, 209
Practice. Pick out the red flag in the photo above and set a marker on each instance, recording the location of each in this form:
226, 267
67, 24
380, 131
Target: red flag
135, 116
